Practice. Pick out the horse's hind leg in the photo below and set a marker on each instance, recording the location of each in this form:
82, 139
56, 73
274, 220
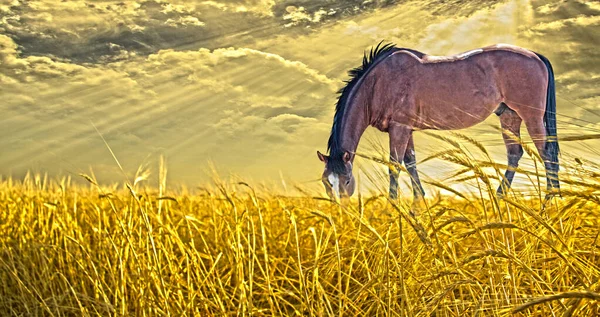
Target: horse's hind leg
537, 131
511, 126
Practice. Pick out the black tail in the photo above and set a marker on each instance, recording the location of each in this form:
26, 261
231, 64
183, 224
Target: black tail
552, 149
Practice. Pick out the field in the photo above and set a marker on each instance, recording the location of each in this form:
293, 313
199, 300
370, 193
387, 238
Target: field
237, 249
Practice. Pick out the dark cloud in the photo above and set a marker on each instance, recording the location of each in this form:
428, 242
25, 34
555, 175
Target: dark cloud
105, 31
312, 13
457, 8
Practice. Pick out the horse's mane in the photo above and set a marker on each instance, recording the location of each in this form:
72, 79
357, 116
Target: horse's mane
370, 60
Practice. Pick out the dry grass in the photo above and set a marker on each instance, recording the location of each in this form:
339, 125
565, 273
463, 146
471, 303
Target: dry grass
231, 250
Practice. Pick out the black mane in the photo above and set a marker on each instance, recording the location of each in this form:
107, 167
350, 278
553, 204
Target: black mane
371, 59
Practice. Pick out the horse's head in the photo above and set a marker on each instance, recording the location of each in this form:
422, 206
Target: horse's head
337, 176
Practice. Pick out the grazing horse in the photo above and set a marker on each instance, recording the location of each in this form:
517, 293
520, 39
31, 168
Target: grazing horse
399, 90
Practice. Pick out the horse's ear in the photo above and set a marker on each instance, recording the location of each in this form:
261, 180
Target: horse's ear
322, 157
347, 157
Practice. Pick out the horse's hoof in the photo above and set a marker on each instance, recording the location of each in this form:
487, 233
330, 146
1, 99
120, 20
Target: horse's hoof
500, 195
418, 206
551, 194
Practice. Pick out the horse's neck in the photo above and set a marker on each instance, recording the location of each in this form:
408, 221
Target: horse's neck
354, 124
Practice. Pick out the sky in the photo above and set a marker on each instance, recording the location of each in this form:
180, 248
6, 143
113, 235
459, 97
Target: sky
246, 86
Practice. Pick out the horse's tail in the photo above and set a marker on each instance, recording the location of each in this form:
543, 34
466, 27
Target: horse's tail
552, 149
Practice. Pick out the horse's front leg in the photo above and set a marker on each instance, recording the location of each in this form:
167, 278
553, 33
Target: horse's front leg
410, 162
399, 137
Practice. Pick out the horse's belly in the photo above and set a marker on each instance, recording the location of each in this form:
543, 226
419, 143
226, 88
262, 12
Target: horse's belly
462, 104
456, 115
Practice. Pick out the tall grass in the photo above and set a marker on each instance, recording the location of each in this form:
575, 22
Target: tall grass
230, 249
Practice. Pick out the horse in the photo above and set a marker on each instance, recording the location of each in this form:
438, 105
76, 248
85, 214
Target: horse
400, 90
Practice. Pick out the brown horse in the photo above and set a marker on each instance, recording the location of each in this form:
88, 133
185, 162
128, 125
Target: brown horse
400, 90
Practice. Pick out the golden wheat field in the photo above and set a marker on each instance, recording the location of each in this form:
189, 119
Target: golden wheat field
237, 249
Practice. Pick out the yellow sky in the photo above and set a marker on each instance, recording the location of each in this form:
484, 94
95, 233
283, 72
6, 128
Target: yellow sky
249, 85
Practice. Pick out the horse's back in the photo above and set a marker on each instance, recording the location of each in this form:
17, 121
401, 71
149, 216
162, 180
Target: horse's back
511, 49
506, 49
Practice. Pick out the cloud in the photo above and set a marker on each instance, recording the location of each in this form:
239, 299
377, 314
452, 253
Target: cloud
291, 122
496, 24
193, 105
557, 25
105, 31
184, 21
297, 16
263, 7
